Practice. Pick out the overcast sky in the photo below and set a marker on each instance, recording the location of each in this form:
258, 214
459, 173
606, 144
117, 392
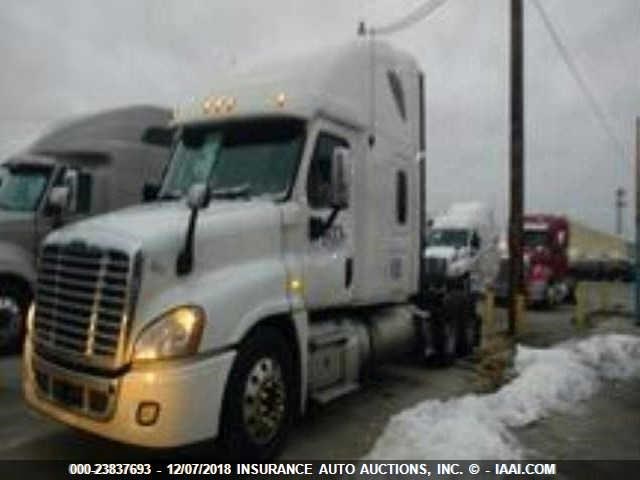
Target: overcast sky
70, 57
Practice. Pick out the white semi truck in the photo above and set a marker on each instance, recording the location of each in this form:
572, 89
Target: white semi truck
462, 248
281, 260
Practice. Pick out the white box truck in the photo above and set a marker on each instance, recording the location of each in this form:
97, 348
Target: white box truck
280, 261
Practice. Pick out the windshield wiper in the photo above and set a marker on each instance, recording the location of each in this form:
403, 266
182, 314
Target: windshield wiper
239, 191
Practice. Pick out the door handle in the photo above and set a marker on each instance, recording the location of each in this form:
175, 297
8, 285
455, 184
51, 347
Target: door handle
348, 272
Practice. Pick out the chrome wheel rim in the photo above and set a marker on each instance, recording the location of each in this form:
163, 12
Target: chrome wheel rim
9, 318
263, 402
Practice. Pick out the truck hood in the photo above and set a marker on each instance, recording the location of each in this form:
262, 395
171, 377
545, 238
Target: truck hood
537, 255
458, 260
17, 228
159, 224
445, 252
228, 235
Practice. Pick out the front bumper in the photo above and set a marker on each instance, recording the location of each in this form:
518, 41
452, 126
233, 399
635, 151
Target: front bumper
189, 394
537, 291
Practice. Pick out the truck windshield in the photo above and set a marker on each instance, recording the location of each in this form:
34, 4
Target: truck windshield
448, 238
535, 238
22, 187
256, 158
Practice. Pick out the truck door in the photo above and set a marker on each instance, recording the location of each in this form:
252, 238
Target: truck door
329, 264
399, 241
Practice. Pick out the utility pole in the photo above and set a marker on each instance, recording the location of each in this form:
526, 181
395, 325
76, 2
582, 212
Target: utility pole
517, 166
621, 202
637, 245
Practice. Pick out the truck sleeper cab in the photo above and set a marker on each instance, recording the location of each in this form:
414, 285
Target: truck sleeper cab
280, 260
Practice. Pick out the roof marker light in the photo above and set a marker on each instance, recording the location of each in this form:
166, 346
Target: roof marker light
207, 105
295, 285
219, 103
229, 104
281, 99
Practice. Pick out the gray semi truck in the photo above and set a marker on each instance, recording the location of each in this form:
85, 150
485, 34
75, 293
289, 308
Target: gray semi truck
87, 166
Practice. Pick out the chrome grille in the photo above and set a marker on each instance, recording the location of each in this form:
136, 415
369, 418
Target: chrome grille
83, 300
436, 267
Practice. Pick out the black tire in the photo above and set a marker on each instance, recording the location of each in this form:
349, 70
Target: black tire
464, 318
245, 438
549, 302
464, 284
14, 304
444, 339
445, 328
571, 296
477, 331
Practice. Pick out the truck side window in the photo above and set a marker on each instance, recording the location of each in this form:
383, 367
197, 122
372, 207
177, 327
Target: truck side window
79, 184
475, 241
85, 182
319, 178
395, 85
401, 197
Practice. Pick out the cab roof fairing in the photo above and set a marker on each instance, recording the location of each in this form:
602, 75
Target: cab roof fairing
468, 216
304, 106
29, 159
101, 130
335, 82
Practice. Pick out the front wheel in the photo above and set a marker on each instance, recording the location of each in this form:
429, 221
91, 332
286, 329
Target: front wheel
446, 326
467, 329
259, 401
550, 296
13, 313
445, 341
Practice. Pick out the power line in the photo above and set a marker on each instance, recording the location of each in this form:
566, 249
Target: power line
420, 13
575, 72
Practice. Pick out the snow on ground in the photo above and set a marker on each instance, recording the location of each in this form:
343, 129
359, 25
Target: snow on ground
478, 426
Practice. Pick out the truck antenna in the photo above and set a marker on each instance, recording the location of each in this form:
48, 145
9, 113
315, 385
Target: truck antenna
372, 86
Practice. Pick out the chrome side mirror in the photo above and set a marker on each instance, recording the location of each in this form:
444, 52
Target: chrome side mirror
59, 198
198, 196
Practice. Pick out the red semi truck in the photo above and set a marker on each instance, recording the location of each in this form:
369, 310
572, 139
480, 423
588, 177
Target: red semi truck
546, 262
545, 248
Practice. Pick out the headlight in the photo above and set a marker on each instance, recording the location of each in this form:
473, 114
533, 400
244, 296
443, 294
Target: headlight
176, 333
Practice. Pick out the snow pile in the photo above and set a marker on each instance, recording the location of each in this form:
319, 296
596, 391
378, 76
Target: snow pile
477, 426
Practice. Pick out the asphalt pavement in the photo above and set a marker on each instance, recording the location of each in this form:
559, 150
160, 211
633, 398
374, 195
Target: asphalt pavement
605, 426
